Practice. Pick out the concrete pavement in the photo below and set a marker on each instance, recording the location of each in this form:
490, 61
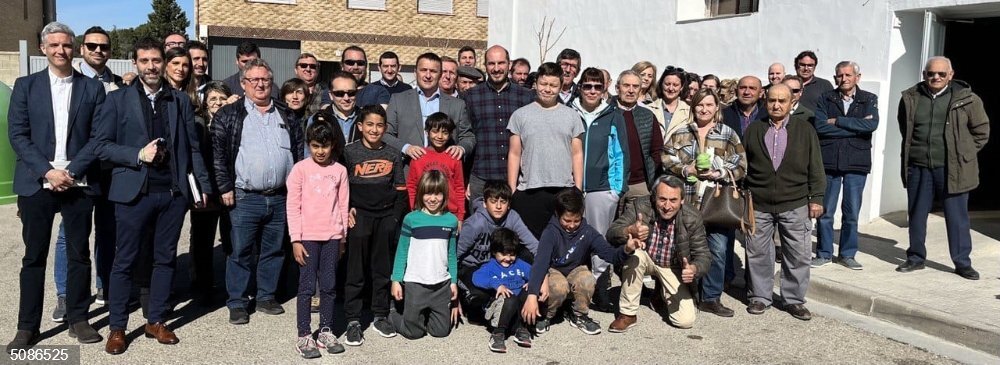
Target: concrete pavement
934, 300
207, 338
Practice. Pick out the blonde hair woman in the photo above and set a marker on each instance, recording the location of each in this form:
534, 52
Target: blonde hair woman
647, 76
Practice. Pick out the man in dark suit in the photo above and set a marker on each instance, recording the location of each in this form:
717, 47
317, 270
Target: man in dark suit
244, 53
147, 131
409, 109
51, 119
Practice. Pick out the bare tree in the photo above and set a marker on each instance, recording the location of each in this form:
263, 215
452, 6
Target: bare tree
545, 42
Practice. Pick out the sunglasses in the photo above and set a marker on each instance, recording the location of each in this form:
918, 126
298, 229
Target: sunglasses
97, 47
342, 93
311, 66
353, 62
930, 74
796, 91
588, 87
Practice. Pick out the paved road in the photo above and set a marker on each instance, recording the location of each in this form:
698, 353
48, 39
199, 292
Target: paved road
207, 338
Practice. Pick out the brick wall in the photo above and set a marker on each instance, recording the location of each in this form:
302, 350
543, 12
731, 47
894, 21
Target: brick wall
9, 68
326, 26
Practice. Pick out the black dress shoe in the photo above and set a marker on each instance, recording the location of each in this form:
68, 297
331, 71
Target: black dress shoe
238, 316
910, 266
757, 308
799, 311
967, 272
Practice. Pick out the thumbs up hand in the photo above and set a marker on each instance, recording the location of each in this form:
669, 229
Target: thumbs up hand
634, 244
688, 271
639, 229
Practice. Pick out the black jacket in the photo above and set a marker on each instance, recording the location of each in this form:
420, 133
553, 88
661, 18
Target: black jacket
227, 131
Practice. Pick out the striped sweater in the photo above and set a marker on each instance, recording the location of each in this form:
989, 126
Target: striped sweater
427, 253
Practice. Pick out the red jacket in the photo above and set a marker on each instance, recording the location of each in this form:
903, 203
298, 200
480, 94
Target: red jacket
452, 170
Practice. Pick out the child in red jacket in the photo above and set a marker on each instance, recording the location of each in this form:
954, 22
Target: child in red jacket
439, 127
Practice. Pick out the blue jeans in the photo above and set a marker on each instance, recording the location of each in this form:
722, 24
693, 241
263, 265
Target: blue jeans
720, 242
923, 185
257, 220
854, 188
59, 272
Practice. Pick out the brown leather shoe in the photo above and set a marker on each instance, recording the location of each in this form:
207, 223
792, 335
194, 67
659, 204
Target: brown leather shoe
622, 323
161, 333
116, 342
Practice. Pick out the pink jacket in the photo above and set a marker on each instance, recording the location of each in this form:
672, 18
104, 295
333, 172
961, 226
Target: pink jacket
317, 201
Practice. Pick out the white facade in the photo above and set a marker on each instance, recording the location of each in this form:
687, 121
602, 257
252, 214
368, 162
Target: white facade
886, 37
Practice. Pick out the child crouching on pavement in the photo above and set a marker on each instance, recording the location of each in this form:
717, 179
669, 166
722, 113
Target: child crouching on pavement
506, 276
564, 250
426, 266
317, 223
489, 214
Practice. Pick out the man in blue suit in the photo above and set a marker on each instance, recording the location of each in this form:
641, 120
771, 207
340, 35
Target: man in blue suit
52, 114
147, 131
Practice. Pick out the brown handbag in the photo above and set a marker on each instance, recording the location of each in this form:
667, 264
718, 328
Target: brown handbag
728, 206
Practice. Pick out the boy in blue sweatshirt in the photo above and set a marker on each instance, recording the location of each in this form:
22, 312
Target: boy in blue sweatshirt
490, 213
564, 251
506, 277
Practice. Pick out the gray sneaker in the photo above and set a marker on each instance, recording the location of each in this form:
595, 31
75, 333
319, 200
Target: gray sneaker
306, 347
59, 314
850, 263
493, 311
584, 323
498, 343
541, 325
819, 261
327, 340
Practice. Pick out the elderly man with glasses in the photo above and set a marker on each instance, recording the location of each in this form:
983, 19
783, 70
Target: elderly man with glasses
944, 126
255, 148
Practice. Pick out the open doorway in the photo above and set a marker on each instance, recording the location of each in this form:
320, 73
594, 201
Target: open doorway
963, 45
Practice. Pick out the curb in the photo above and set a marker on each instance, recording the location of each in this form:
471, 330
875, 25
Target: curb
930, 321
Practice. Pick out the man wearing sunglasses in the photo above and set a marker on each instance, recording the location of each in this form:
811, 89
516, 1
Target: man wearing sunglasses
96, 50
944, 126
355, 62
812, 86
245, 52
307, 69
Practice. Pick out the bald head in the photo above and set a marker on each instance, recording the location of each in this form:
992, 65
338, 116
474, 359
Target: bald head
748, 91
775, 73
497, 64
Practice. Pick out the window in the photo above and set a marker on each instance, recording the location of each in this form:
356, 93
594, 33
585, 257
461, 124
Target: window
366, 4
694, 10
731, 7
443, 7
288, 2
483, 8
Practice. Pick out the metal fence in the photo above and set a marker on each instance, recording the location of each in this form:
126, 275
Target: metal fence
118, 67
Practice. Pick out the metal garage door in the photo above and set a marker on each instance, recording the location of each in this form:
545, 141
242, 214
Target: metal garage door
281, 55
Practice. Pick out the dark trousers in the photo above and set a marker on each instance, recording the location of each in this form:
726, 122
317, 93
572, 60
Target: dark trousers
163, 214
536, 207
37, 215
203, 225
510, 314
923, 186
369, 261
426, 310
474, 299
104, 239
321, 267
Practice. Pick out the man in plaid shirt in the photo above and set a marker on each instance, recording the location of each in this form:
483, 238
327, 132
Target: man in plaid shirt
490, 105
673, 250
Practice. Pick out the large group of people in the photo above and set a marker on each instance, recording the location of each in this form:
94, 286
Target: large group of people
504, 195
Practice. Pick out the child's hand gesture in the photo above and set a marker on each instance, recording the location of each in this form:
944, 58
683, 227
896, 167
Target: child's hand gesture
502, 291
634, 244
529, 312
299, 252
397, 291
350, 218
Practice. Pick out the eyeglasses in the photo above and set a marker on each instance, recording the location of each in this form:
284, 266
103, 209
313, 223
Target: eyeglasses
311, 66
174, 44
257, 81
588, 87
796, 91
807, 65
97, 47
353, 62
931, 74
342, 93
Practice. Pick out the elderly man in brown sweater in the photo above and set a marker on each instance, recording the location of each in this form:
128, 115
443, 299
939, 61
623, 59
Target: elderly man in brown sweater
785, 175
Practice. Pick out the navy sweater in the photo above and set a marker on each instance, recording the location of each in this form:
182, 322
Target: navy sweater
565, 251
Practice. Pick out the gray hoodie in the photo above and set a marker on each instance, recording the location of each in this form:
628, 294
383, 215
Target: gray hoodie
474, 240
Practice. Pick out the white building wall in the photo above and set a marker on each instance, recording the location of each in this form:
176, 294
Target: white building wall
616, 34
